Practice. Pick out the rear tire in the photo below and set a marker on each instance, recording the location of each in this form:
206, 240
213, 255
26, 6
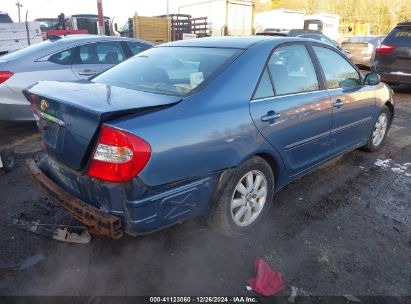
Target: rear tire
245, 199
379, 131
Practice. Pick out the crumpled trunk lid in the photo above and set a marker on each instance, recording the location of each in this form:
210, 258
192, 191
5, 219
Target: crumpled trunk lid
71, 113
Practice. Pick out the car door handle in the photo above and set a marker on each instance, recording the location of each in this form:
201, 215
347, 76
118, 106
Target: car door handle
87, 72
338, 103
271, 116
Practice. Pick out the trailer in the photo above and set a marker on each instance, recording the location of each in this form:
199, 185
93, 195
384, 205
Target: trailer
279, 20
326, 23
224, 17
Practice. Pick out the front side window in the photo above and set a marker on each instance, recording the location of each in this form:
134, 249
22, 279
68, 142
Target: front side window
292, 70
169, 70
64, 57
338, 72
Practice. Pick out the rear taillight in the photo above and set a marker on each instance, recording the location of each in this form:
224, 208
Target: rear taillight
385, 49
5, 75
118, 156
33, 99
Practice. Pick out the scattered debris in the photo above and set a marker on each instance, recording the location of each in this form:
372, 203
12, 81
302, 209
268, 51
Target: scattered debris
396, 168
294, 291
267, 282
57, 232
352, 298
45, 205
29, 262
383, 163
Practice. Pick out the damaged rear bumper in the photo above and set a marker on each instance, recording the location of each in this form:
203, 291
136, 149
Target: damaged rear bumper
99, 222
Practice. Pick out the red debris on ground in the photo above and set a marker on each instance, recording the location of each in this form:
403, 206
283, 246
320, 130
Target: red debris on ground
267, 282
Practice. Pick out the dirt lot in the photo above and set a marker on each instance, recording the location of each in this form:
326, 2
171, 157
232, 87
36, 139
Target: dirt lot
343, 229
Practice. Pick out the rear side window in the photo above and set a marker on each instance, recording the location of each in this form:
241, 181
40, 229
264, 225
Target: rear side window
100, 53
338, 72
400, 36
137, 47
64, 57
292, 70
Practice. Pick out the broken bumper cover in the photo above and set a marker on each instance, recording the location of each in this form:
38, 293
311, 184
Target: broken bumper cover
99, 222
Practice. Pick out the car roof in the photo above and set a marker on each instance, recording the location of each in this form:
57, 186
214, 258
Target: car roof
236, 42
73, 39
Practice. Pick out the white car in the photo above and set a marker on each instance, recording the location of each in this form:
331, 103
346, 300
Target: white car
66, 58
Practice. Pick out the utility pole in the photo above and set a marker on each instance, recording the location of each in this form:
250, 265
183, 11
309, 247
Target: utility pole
100, 17
168, 8
19, 5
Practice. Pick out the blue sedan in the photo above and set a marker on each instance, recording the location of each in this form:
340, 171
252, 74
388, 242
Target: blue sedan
211, 127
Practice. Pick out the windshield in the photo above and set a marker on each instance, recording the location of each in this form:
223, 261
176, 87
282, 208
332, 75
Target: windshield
49, 24
169, 70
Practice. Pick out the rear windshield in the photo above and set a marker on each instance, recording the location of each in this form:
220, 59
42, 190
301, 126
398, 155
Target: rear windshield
169, 70
400, 36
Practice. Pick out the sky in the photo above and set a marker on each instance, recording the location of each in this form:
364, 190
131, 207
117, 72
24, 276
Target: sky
120, 9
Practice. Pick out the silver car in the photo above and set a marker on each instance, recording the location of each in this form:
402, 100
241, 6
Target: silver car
362, 49
66, 58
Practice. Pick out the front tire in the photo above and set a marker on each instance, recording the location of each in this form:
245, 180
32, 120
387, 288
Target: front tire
379, 131
245, 199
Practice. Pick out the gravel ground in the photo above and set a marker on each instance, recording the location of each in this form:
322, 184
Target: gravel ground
343, 229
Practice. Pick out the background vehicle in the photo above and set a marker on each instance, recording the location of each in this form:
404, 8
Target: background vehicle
325, 23
5, 18
64, 58
309, 34
16, 36
203, 126
362, 49
280, 20
393, 58
89, 22
57, 27
224, 17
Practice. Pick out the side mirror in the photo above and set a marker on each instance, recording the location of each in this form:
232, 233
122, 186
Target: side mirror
372, 79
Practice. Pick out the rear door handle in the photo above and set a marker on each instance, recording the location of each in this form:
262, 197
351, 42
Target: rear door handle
87, 72
271, 116
338, 103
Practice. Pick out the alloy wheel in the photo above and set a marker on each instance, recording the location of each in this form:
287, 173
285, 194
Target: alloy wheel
248, 198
